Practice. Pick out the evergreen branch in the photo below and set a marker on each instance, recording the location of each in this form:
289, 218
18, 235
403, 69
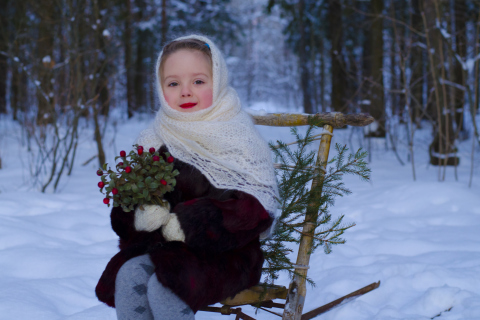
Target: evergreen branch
296, 170
314, 138
290, 167
327, 232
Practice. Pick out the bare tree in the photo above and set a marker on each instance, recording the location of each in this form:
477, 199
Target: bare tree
128, 59
338, 74
442, 146
374, 77
460, 16
417, 63
4, 35
46, 11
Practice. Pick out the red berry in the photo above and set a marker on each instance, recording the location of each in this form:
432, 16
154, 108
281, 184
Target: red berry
123, 153
163, 182
101, 184
151, 150
120, 164
99, 172
170, 159
140, 151
114, 191
128, 169
156, 158
106, 201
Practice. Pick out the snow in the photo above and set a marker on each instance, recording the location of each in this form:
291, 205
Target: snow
46, 59
420, 239
147, 25
444, 32
256, 112
470, 64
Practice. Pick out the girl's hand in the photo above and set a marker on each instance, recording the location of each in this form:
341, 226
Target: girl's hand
172, 230
151, 217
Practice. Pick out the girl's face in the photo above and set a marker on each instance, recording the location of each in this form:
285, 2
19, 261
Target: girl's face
187, 82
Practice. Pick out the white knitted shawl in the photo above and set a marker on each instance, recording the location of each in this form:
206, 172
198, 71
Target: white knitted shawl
221, 141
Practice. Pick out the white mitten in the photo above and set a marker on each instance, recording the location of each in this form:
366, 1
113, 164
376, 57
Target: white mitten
151, 217
172, 231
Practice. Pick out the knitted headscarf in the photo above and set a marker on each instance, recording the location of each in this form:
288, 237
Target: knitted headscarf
221, 141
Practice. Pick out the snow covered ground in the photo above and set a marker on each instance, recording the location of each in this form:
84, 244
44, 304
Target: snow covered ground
420, 239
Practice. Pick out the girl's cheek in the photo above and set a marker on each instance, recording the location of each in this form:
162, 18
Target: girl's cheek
167, 96
208, 98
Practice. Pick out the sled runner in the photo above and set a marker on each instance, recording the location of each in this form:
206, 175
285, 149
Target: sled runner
262, 296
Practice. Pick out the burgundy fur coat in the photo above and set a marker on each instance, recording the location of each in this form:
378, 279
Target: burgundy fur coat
221, 254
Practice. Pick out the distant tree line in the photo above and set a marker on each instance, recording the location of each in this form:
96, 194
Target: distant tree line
67, 61
404, 62
398, 60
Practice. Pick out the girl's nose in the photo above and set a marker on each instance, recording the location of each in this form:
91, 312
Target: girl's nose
186, 92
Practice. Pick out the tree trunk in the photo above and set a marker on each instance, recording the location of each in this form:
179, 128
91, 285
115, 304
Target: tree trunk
460, 8
128, 59
394, 88
321, 49
339, 76
143, 43
376, 97
303, 59
76, 61
397, 49
417, 64
442, 146
102, 104
19, 82
104, 65
164, 22
4, 4
476, 67
45, 43
351, 67
313, 72
62, 73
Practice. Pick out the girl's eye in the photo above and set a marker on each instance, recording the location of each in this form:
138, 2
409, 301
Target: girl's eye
199, 81
173, 84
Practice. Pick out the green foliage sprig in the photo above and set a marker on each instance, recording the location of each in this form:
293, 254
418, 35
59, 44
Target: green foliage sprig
140, 178
297, 168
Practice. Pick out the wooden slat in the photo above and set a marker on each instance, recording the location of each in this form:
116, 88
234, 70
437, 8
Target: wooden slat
227, 311
334, 119
318, 311
252, 295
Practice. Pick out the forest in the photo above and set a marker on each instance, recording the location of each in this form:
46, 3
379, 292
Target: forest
77, 86
67, 64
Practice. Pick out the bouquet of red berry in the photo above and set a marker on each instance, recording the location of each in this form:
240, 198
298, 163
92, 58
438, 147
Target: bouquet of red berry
140, 178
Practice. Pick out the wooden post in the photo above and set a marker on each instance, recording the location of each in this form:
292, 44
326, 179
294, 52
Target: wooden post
297, 290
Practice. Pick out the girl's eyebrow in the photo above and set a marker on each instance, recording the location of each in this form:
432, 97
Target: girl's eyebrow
171, 76
194, 74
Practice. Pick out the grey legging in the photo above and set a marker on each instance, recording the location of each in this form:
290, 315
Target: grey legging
139, 295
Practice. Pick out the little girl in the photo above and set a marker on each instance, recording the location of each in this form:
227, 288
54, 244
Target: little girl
205, 247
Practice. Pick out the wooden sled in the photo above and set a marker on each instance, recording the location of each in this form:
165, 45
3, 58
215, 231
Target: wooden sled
294, 296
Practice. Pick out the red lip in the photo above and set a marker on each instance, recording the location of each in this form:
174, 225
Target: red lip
188, 105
